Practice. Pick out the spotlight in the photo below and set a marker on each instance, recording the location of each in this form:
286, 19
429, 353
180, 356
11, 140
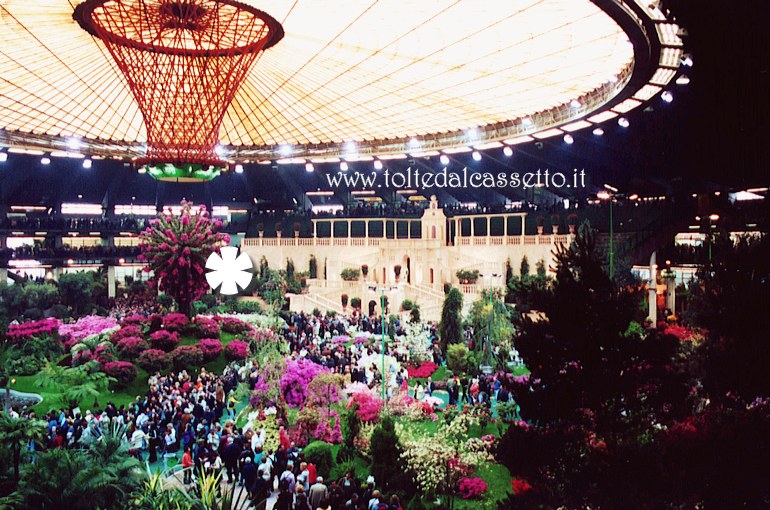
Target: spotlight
613, 79
143, 170
344, 166
444, 159
476, 156
377, 164
285, 150
414, 143
351, 147
87, 163
309, 167
121, 261
526, 121
683, 80
623, 122
238, 169
73, 143
46, 161
3, 157
568, 139
598, 131
687, 61
575, 103
667, 96
508, 151
472, 133
70, 262
219, 150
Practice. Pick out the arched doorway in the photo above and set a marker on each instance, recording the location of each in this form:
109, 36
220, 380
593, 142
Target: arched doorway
372, 307
432, 280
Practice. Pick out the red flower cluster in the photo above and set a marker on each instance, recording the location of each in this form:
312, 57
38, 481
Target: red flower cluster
129, 331
131, 346
164, 340
237, 350
233, 325
175, 322
520, 486
211, 348
123, 371
423, 371
203, 327
153, 360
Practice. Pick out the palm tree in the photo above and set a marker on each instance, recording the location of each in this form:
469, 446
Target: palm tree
16, 433
76, 383
7, 353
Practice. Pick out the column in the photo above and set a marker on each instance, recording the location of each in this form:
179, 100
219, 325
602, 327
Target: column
315, 225
111, 282
653, 294
408, 229
489, 226
366, 231
331, 222
473, 226
523, 227
350, 232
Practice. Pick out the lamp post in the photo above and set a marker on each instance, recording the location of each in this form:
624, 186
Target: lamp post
712, 218
609, 195
382, 335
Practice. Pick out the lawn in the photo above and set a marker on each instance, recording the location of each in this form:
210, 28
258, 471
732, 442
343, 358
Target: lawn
118, 396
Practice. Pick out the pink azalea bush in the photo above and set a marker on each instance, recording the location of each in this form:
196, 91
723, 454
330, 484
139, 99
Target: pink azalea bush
18, 333
423, 371
296, 377
176, 322
164, 340
176, 248
237, 350
233, 325
130, 347
125, 332
186, 356
153, 360
472, 488
324, 432
368, 405
137, 320
211, 348
85, 327
264, 335
123, 371
340, 339
203, 327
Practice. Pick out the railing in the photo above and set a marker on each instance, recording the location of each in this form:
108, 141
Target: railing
256, 242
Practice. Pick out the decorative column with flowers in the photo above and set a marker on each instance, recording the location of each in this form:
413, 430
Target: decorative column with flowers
176, 248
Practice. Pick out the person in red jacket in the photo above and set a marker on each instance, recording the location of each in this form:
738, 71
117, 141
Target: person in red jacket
187, 466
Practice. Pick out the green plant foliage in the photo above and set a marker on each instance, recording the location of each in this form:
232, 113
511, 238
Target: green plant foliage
450, 327
76, 290
467, 276
350, 274
320, 454
458, 358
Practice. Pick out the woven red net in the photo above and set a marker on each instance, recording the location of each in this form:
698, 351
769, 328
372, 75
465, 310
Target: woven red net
183, 61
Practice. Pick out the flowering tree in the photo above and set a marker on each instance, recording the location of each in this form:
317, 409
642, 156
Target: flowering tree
176, 249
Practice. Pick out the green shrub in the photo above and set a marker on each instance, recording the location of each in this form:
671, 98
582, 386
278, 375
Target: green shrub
350, 274
320, 454
407, 305
458, 358
356, 303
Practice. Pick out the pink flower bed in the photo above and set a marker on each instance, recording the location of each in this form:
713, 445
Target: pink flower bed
125, 332
233, 325
175, 322
85, 327
123, 371
471, 488
17, 333
424, 371
211, 348
164, 340
131, 347
203, 327
134, 320
324, 432
340, 339
237, 350
368, 405
263, 335
295, 379
153, 360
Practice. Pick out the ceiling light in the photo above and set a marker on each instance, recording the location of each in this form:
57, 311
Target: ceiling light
476, 156
444, 159
414, 143
238, 169
623, 122
687, 61
143, 170
351, 147
309, 167
526, 121
3, 157
667, 96
598, 131
568, 139
46, 161
87, 163
285, 150
575, 103
377, 164
507, 151
472, 133
683, 80
73, 143
219, 150
344, 166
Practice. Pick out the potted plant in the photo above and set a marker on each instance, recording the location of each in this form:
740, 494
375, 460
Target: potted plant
572, 222
397, 271
555, 224
356, 303
261, 229
350, 274
365, 271
468, 277
344, 301
540, 225
278, 231
296, 229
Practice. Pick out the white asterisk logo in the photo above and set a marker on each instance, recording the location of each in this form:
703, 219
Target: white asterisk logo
228, 270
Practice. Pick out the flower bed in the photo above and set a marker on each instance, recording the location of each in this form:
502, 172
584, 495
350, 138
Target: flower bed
85, 327
211, 348
237, 350
203, 327
233, 325
125, 332
164, 340
177, 322
17, 333
423, 371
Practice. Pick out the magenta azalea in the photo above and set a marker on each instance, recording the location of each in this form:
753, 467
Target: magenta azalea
164, 340
85, 327
211, 348
471, 488
237, 350
17, 333
295, 379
